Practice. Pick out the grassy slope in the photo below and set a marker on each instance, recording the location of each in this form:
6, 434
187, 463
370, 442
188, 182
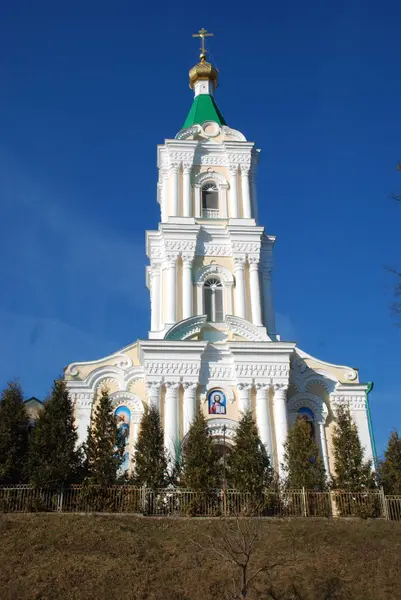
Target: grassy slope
109, 557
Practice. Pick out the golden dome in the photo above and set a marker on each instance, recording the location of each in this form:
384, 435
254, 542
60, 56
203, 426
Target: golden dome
203, 70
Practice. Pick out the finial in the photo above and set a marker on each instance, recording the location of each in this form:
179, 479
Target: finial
202, 33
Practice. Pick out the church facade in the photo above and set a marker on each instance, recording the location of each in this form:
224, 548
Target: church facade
213, 343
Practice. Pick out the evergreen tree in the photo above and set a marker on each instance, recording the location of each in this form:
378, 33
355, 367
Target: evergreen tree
302, 461
351, 472
150, 466
104, 450
53, 457
249, 464
200, 469
13, 435
391, 466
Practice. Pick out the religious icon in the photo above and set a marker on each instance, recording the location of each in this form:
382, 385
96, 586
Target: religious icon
217, 402
123, 417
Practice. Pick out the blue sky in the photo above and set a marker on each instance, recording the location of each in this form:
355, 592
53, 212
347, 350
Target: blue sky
87, 91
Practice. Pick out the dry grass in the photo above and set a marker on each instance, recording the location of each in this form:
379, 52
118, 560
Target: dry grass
50, 557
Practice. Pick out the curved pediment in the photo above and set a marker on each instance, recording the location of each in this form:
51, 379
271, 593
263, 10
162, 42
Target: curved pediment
186, 329
246, 330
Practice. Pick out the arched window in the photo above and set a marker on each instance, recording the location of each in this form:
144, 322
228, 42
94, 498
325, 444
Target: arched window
213, 290
210, 200
307, 415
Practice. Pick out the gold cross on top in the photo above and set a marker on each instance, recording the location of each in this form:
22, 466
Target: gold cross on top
202, 33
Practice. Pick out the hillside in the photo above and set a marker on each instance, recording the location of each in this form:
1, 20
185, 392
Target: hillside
44, 557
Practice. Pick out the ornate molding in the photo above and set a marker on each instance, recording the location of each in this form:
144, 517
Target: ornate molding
127, 399
204, 272
245, 329
239, 159
186, 328
189, 132
218, 372
216, 160
201, 178
280, 388
353, 401
304, 399
82, 399
233, 133
212, 249
181, 156
180, 246
246, 247
172, 386
262, 370
216, 430
190, 387
180, 368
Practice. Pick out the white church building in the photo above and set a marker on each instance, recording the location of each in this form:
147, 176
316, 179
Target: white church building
213, 343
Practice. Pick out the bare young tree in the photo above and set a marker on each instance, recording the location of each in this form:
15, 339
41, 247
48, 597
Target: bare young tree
236, 544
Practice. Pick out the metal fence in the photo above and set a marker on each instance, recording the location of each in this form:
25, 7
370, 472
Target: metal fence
215, 503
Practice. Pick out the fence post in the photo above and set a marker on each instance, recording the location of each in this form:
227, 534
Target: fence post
143, 499
384, 501
304, 502
60, 497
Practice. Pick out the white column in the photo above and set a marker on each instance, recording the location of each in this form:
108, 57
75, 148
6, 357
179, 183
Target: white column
187, 190
174, 169
263, 417
254, 199
228, 298
136, 421
323, 445
84, 403
153, 389
171, 418
197, 196
187, 288
200, 309
223, 200
246, 197
189, 408
164, 196
240, 299
244, 397
254, 281
155, 298
234, 213
280, 421
268, 307
171, 290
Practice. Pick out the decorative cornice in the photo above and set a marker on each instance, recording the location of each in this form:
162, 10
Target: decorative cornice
245, 329
353, 401
180, 368
212, 249
181, 156
82, 399
186, 328
262, 370
252, 247
218, 372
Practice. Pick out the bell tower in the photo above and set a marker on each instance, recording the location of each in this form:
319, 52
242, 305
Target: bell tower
210, 261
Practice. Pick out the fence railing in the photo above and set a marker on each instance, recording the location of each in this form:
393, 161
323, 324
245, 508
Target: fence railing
183, 502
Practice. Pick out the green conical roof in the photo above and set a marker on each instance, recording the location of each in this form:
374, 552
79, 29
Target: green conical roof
203, 108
